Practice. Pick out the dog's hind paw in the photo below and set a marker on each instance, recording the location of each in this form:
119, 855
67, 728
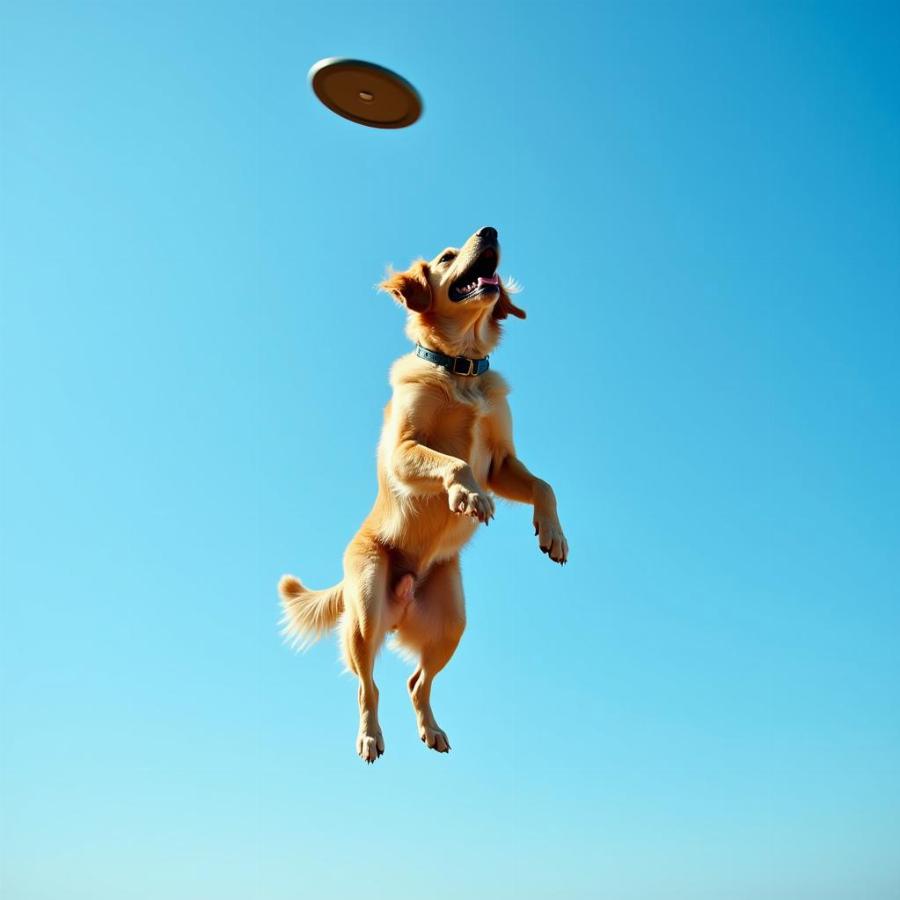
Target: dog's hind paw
370, 747
435, 738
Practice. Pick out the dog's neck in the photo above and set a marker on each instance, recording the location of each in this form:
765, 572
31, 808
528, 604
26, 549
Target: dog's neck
474, 336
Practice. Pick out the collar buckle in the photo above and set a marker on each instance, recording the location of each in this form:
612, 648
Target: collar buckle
463, 359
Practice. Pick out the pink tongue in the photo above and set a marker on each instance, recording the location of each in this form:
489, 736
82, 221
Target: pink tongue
492, 280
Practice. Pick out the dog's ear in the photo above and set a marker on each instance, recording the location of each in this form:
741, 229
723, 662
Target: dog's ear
411, 287
505, 307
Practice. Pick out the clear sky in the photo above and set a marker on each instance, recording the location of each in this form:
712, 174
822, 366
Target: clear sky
703, 203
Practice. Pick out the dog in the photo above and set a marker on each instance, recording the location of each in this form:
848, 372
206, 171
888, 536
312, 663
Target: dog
446, 447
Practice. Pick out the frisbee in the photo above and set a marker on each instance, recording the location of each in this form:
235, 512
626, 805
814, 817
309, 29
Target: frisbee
365, 93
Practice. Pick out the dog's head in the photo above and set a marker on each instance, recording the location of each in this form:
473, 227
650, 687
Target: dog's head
456, 299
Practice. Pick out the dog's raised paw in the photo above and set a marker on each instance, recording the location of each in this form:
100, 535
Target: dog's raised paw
551, 539
467, 502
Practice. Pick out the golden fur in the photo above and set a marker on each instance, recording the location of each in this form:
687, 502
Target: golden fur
446, 447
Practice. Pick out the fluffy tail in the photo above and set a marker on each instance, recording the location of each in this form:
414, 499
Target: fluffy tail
308, 614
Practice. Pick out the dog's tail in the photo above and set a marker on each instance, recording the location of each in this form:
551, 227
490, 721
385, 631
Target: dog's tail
308, 614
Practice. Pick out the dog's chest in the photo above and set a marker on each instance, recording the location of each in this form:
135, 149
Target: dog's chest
474, 412
480, 451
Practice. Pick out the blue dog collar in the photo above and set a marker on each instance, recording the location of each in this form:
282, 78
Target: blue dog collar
457, 365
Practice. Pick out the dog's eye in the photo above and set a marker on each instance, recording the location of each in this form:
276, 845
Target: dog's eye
447, 257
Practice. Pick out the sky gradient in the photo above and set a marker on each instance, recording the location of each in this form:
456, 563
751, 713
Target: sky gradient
703, 203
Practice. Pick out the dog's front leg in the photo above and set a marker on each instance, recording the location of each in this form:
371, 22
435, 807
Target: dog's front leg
510, 478
429, 471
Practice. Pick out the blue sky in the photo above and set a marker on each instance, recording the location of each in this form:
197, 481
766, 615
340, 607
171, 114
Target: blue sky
703, 203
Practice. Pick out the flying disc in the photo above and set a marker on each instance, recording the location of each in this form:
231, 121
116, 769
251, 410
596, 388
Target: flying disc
365, 93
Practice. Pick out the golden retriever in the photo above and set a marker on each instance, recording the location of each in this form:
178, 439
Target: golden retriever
446, 446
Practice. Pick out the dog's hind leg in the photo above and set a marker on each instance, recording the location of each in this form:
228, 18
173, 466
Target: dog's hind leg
365, 622
433, 625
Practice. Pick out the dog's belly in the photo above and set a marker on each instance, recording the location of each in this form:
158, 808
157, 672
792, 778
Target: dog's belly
456, 532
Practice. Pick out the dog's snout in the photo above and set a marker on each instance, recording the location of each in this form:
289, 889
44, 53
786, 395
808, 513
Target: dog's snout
487, 233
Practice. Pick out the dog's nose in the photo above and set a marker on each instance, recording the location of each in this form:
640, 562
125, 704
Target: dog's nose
487, 233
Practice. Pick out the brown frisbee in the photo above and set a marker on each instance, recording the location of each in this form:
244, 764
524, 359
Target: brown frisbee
365, 93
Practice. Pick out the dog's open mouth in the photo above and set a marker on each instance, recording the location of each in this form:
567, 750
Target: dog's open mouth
479, 278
